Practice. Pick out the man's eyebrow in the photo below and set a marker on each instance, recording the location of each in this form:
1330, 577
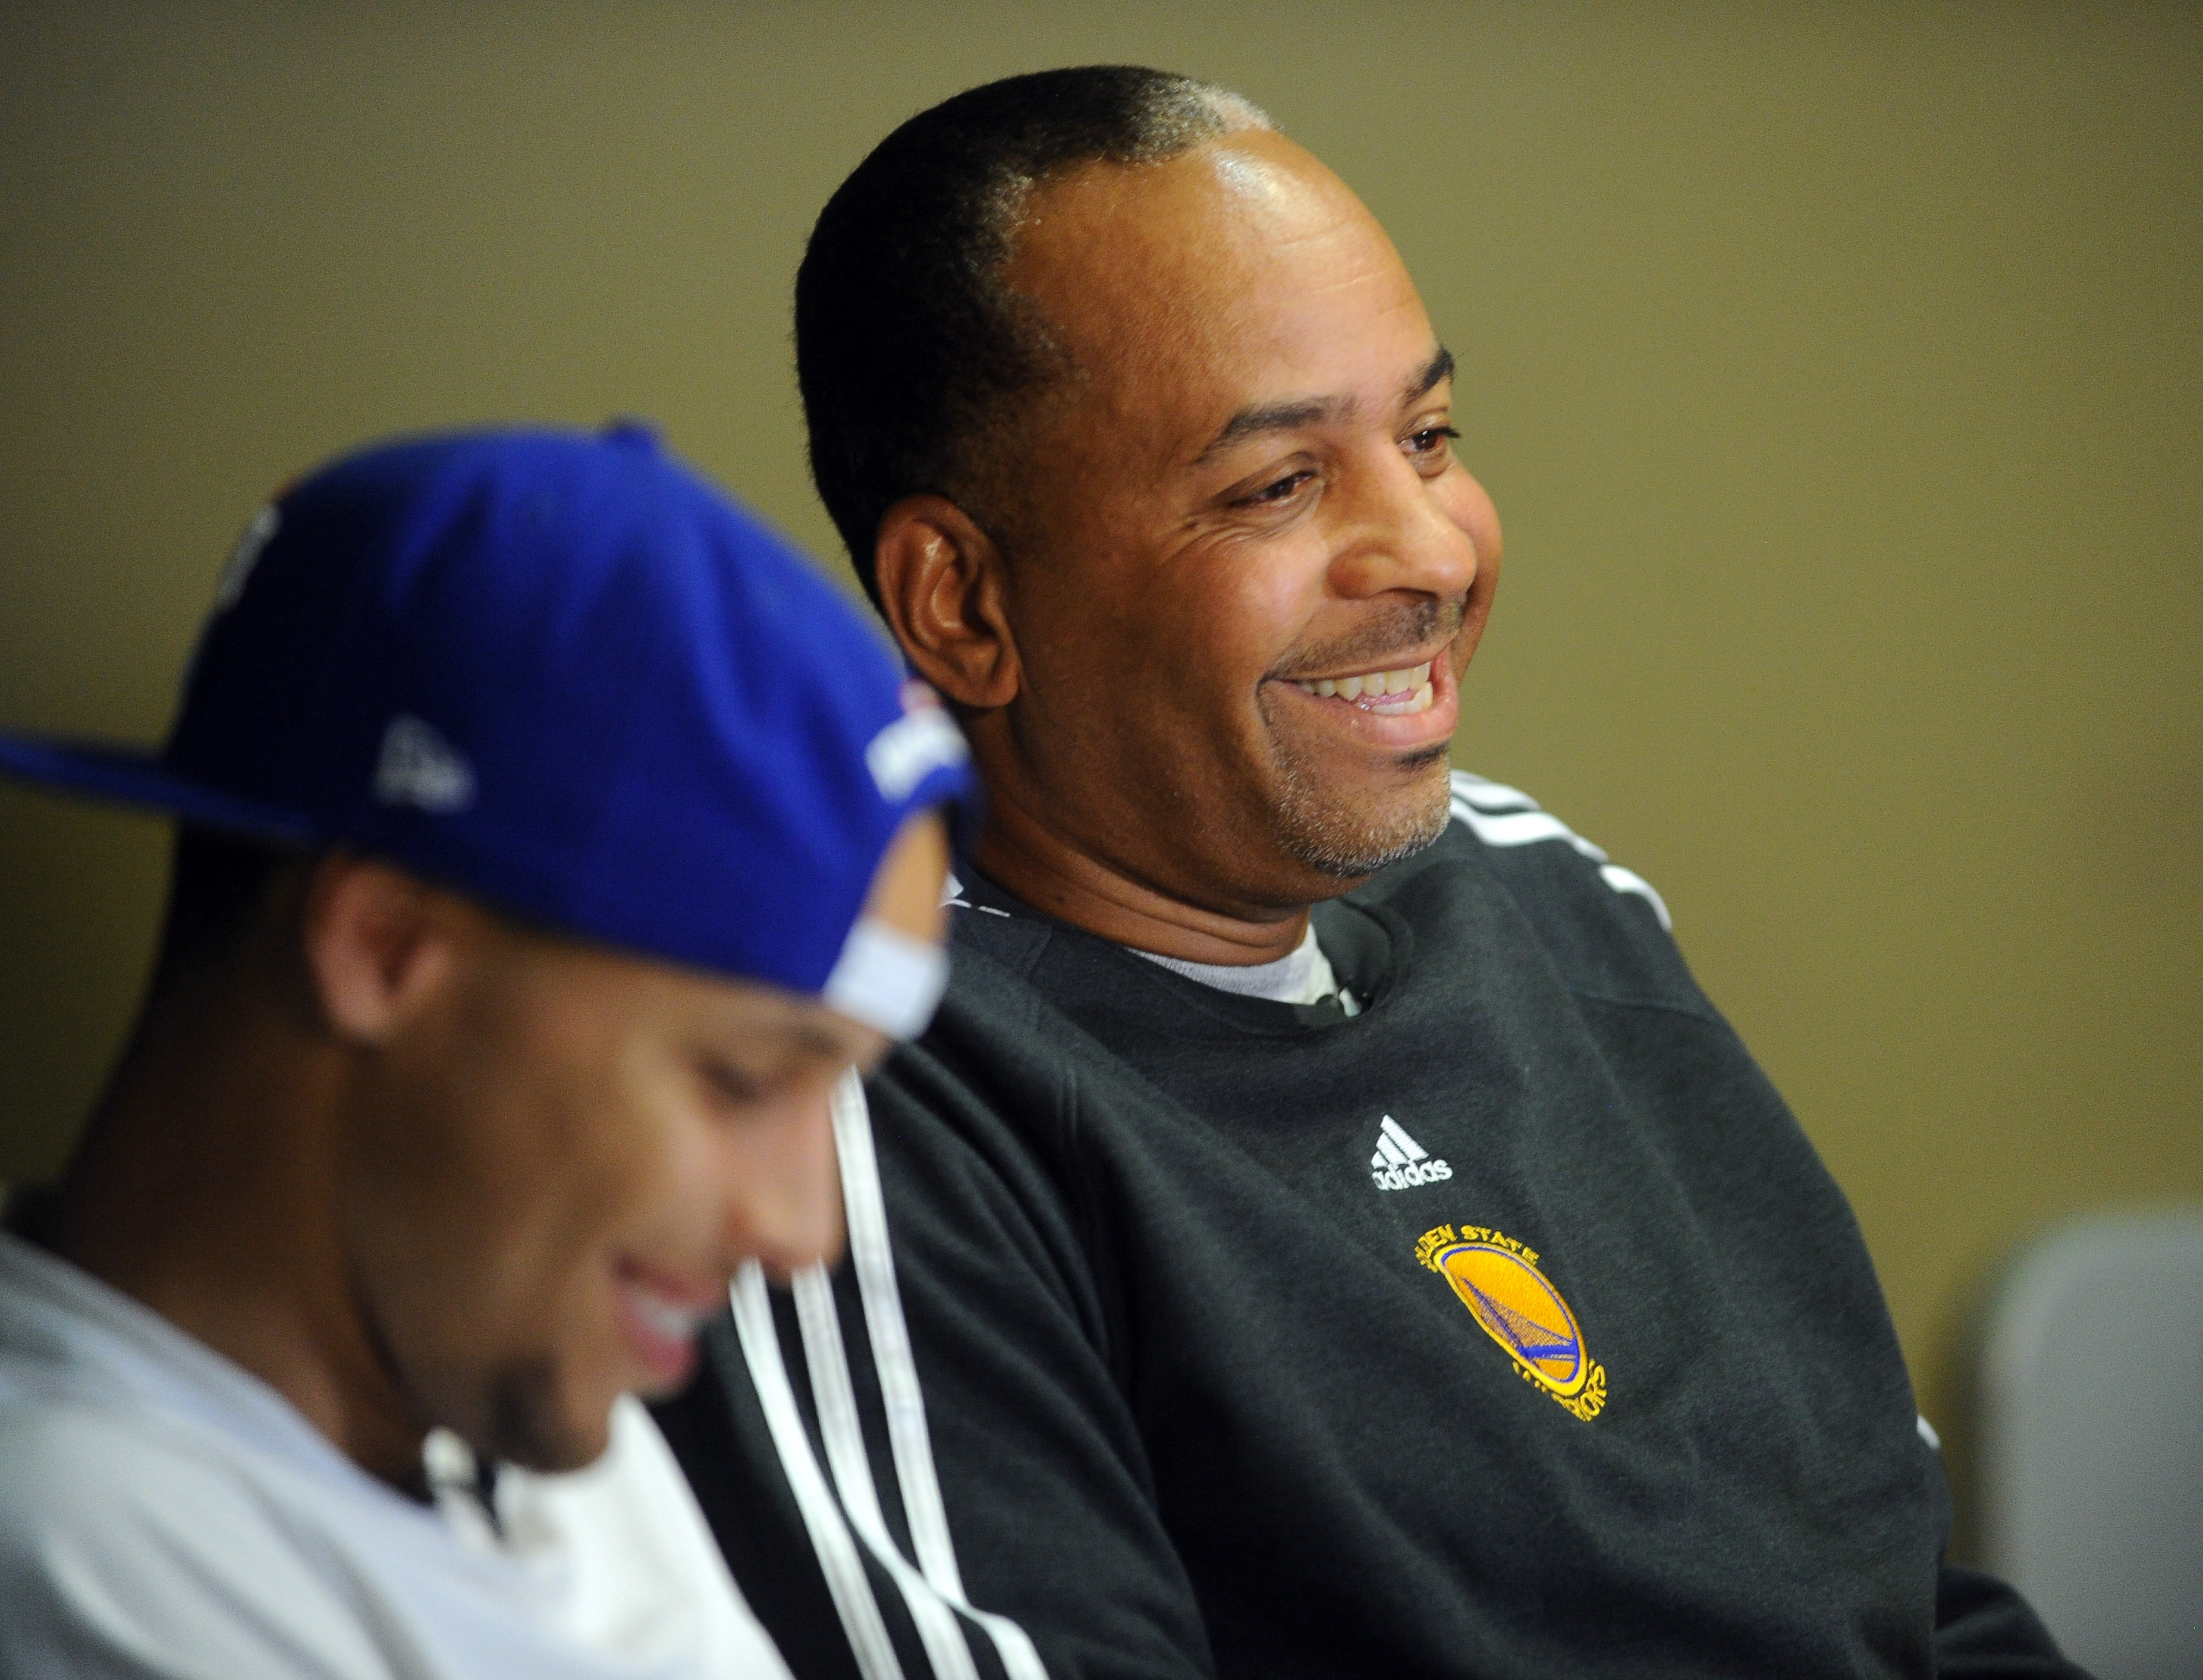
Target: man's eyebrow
1272, 417
1440, 367
1290, 417
820, 1042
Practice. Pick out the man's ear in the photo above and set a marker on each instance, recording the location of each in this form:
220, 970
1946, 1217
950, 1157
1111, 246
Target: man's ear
378, 945
940, 583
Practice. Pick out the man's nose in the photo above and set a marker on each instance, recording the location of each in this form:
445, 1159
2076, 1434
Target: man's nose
783, 1202
1396, 536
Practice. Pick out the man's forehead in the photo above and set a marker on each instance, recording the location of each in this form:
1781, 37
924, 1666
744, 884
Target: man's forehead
637, 988
1106, 239
1223, 291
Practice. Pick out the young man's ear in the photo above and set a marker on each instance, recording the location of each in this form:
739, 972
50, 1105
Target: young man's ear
378, 945
940, 584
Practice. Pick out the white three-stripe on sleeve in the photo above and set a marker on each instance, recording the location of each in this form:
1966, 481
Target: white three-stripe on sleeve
845, 1581
1499, 814
932, 1590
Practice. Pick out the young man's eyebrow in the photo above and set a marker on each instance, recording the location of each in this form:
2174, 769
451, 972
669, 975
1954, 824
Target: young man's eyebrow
816, 1041
1289, 416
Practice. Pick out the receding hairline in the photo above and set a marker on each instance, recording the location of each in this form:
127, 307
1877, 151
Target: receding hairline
1047, 293
914, 354
1212, 192
1013, 194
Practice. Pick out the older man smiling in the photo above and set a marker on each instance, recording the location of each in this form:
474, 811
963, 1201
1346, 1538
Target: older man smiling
1326, 1232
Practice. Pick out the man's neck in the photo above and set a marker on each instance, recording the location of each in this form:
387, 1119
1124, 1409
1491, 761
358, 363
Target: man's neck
204, 1189
1073, 884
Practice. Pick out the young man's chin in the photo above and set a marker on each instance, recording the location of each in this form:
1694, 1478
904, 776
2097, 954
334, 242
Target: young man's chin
536, 1424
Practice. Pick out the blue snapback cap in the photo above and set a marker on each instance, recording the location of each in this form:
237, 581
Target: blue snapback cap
565, 675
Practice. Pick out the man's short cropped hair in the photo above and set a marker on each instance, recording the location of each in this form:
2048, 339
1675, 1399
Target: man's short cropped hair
910, 349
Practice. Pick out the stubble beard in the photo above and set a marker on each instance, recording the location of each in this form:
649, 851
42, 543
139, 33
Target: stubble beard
1354, 837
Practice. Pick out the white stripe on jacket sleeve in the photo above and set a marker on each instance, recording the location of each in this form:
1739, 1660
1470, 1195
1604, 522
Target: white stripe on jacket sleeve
844, 1570
1502, 816
844, 1435
933, 1590
872, 1257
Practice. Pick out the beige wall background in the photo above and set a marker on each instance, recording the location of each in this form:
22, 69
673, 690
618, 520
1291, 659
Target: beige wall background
1839, 373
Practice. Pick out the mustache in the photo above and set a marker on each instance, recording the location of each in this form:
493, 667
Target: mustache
1404, 627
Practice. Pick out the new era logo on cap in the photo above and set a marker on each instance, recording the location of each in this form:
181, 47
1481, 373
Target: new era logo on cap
418, 767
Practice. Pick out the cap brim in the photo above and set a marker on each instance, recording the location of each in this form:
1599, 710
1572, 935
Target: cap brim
133, 776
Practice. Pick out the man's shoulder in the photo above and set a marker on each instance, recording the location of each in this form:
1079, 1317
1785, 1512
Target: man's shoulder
125, 1533
998, 945
63, 1452
1603, 925
983, 920
997, 1083
1534, 853
1521, 841
88, 1476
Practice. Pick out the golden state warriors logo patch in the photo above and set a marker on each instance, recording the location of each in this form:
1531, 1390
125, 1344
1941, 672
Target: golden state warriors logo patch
1498, 1281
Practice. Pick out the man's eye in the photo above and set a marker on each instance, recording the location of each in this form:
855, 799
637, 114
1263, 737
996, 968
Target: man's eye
1283, 490
729, 1084
1430, 440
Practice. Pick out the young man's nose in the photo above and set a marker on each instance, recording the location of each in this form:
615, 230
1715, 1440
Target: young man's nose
783, 1205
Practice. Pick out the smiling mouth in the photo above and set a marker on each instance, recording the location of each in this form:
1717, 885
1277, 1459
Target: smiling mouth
673, 1320
1395, 693
663, 1318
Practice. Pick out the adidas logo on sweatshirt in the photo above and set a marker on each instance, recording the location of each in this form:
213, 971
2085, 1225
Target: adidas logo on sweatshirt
1401, 1162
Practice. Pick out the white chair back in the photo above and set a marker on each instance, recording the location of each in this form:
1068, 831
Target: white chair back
2092, 1441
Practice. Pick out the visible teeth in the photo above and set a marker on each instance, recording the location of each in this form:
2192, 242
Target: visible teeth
662, 1316
1413, 681
1408, 705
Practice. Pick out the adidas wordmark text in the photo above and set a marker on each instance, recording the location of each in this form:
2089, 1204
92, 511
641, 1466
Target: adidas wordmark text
1401, 1162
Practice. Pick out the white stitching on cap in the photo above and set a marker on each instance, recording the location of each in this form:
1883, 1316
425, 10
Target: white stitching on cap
918, 742
245, 555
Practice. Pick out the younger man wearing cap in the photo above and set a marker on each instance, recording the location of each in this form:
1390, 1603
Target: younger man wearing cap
553, 841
